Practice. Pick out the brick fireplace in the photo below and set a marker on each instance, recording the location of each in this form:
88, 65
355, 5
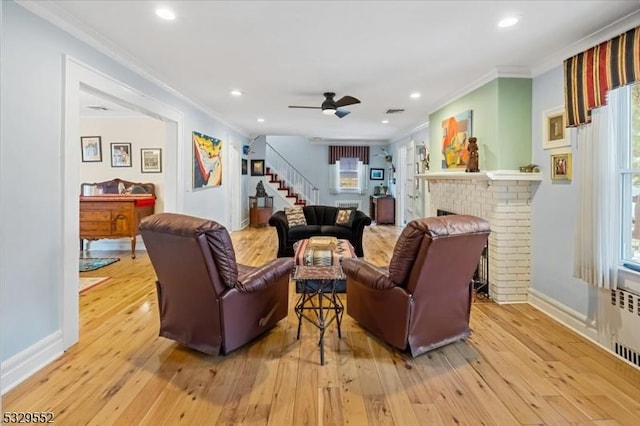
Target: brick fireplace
504, 199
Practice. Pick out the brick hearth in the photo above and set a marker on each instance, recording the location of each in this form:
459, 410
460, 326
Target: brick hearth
504, 199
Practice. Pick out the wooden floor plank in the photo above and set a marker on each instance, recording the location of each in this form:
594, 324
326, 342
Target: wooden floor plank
518, 367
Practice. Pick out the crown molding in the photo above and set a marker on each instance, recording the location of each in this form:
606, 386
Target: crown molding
410, 133
58, 16
347, 142
610, 31
499, 72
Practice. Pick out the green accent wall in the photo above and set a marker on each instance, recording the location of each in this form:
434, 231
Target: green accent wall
501, 121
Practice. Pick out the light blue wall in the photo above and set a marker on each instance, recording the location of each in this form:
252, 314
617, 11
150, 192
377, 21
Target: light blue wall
554, 209
31, 174
312, 160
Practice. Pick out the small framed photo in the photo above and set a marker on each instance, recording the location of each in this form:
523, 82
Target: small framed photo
151, 160
91, 149
553, 127
257, 167
245, 166
121, 154
561, 167
376, 174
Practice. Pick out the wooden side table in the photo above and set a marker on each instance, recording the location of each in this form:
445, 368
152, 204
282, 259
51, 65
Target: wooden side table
260, 210
319, 299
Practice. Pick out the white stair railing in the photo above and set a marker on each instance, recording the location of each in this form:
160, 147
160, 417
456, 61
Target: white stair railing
292, 177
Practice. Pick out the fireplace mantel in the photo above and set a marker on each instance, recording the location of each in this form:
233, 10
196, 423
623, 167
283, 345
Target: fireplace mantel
508, 175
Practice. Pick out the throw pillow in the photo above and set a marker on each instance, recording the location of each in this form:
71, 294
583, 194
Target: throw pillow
295, 216
344, 217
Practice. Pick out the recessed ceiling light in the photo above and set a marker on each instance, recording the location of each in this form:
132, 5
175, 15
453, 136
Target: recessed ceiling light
508, 21
415, 95
384, 121
165, 13
236, 93
260, 120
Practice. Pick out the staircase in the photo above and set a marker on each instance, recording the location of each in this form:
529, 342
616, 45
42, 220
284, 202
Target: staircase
288, 192
292, 185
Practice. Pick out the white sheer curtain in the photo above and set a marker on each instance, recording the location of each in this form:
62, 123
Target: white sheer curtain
597, 238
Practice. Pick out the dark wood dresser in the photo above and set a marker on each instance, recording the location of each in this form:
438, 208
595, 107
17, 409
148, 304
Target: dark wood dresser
114, 215
382, 209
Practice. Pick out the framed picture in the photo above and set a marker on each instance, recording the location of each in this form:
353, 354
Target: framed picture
121, 154
456, 131
376, 174
554, 133
91, 149
207, 161
244, 166
561, 167
151, 160
257, 167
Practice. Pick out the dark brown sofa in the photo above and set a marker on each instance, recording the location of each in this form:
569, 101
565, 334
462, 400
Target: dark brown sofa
321, 221
206, 300
423, 300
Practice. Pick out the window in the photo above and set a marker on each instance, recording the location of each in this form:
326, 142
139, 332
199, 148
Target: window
629, 169
348, 176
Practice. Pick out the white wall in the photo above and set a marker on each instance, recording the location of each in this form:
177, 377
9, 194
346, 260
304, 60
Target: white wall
32, 172
141, 132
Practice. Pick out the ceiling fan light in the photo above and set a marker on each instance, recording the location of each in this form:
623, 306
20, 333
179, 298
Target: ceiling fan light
329, 111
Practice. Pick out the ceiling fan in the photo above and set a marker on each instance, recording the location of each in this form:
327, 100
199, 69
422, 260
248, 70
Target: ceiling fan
330, 106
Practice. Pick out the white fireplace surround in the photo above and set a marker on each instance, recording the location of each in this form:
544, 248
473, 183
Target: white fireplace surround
502, 197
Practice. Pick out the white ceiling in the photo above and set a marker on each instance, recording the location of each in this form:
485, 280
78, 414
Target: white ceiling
282, 53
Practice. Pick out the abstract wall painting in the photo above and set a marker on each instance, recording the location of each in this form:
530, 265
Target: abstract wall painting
456, 131
207, 161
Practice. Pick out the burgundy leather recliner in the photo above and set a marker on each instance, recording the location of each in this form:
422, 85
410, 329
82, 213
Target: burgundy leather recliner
206, 300
423, 300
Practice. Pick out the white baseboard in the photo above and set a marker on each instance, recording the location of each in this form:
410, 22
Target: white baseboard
563, 314
114, 245
24, 364
571, 319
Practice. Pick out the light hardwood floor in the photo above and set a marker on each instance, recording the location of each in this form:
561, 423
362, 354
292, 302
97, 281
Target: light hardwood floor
519, 367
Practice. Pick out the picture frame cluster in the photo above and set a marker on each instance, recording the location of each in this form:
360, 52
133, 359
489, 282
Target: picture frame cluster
555, 135
121, 154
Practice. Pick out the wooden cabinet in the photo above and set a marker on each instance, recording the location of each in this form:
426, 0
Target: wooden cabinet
113, 216
382, 210
260, 210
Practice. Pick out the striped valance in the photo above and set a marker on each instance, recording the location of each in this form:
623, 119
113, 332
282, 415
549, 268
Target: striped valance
589, 75
337, 152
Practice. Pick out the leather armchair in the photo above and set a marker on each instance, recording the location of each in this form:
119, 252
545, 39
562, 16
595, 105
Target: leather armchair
206, 300
423, 299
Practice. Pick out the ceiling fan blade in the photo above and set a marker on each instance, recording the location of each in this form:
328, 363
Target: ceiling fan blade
347, 100
342, 112
305, 107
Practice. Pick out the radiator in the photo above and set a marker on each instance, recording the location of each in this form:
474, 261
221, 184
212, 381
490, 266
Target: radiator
348, 203
626, 341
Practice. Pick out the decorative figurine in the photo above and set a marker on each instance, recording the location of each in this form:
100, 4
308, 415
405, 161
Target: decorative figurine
260, 191
472, 164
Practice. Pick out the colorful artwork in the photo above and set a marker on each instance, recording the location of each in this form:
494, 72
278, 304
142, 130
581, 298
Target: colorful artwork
207, 161
455, 138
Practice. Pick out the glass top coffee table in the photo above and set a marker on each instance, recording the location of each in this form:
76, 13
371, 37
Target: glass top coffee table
319, 304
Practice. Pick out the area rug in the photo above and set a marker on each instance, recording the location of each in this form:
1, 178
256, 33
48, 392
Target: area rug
89, 282
93, 263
